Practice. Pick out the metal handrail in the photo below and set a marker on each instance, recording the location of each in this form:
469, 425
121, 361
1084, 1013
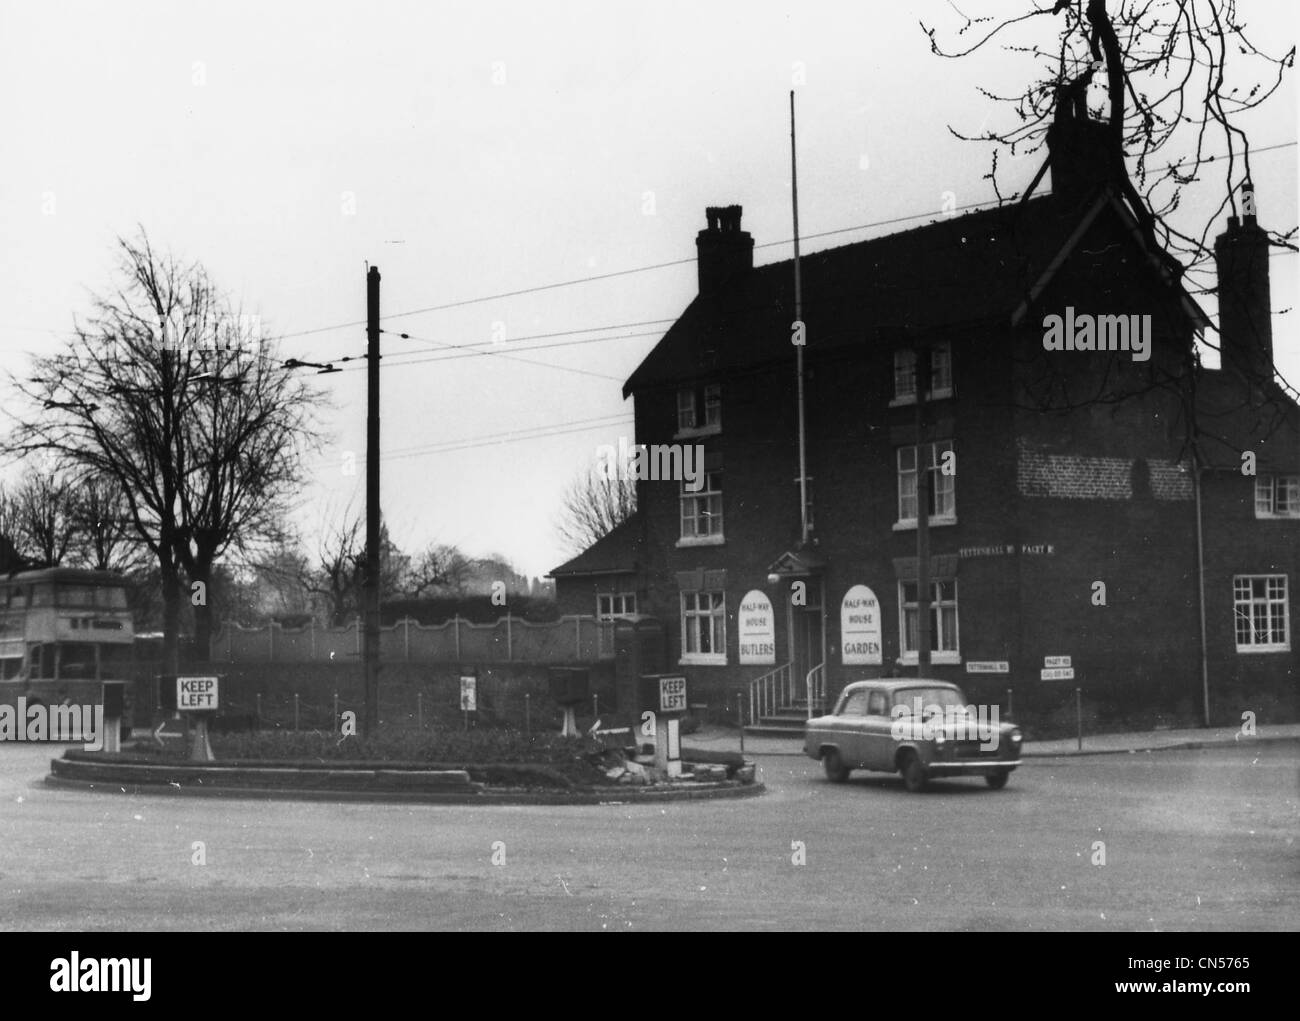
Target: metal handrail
769, 691
814, 686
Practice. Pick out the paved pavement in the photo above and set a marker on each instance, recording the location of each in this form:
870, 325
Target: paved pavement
728, 739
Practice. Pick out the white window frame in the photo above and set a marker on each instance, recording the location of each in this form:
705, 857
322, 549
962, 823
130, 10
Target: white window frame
940, 484
625, 599
702, 506
692, 616
940, 656
1268, 489
905, 374
699, 410
1275, 594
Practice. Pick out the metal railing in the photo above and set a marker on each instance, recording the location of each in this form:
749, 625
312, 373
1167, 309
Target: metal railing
814, 686
769, 692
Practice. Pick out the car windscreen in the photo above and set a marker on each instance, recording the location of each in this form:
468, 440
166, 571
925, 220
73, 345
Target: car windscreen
926, 697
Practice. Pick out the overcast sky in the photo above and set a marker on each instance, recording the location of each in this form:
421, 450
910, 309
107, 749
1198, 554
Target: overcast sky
471, 150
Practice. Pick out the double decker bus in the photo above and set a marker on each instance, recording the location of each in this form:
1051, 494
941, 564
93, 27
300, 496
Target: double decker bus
63, 632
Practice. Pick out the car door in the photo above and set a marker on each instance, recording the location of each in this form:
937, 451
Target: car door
878, 738
850, 728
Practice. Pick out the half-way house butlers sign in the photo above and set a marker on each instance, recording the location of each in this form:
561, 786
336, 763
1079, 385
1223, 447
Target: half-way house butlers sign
757, 630
860, 628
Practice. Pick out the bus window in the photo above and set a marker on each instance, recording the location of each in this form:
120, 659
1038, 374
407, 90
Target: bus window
10, 667
42, 595
115, 662
41, 658
76, 595
110, 598
76, 661
18, 597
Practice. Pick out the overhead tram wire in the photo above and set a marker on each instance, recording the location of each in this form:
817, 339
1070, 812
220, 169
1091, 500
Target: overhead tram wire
682, 262
495, 439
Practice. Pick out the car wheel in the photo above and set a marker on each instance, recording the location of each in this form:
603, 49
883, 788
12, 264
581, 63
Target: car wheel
836, 771
913, 773
998, 780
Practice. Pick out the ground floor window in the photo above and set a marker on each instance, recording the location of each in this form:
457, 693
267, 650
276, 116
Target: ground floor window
1261, 613
943, 620
609, 607
615, 604
704, 627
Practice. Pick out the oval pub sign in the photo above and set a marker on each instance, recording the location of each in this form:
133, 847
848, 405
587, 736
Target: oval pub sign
860, 628
757, 629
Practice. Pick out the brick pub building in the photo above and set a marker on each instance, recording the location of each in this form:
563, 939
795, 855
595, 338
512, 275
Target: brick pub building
1081, 503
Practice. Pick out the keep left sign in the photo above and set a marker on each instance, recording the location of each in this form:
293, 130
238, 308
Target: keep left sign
196, 693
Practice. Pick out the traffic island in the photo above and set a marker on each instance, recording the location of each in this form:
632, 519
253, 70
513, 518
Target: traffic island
402, 781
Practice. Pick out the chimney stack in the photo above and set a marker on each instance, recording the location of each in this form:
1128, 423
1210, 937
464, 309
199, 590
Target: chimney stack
725, 252
1245, 319
1080, 150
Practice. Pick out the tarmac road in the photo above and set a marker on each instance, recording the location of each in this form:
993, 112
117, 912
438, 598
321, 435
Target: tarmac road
1194, 840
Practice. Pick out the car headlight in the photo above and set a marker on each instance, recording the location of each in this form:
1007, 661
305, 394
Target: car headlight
939, 739
1016, 736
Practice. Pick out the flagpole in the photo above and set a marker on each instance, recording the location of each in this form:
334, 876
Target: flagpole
801, 337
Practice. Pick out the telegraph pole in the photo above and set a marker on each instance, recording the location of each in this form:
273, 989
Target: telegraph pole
370, 648
922, 515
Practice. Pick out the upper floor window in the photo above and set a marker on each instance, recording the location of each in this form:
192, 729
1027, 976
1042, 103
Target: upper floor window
1277, 496
702, 510
905, 374
941, 481
1260, 612
699, 409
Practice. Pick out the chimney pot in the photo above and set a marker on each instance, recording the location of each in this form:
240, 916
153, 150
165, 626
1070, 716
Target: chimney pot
725, 252
1245, 302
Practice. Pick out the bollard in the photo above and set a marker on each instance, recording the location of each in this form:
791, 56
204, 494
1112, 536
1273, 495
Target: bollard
528, 714
595, 706
1009, 704
336, 709
259, 710
740, 718
295, 710
1078, 713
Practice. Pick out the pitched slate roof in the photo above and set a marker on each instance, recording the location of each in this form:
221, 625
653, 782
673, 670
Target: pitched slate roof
953, 273
614, 553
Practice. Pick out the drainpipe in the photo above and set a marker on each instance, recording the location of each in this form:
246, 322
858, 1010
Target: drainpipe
1200, 588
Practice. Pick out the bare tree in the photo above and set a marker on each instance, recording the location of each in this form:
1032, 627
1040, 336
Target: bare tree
596, 502
104, 539
1176, 76
336, 575
1154, 90
43, 516
439, 568
164, 391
